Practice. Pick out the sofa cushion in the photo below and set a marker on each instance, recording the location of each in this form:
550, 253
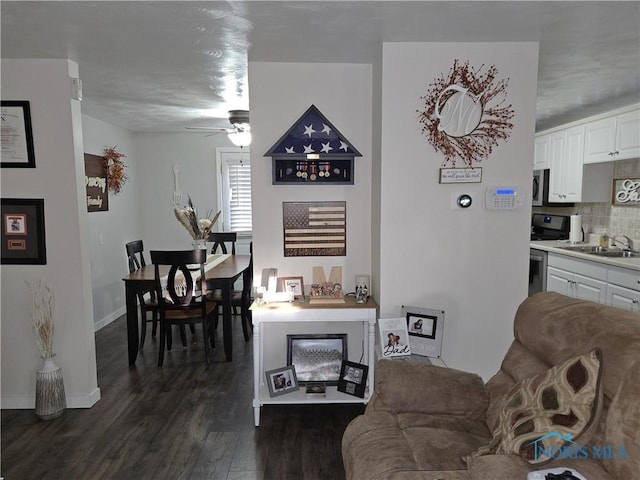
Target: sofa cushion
452, 392
550, 409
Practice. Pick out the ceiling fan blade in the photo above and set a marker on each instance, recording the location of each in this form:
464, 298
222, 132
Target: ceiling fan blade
211, 129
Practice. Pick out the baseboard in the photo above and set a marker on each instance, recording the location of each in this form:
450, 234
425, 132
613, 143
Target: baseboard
109, 318
73, 401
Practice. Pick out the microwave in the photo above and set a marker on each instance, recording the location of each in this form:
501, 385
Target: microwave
540, 191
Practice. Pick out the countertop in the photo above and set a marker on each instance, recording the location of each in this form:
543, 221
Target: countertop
552, 246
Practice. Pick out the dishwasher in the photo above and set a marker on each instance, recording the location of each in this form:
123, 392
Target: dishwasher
537, 271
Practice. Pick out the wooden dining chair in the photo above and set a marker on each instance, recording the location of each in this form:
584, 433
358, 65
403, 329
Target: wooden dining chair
223, 241
182, 300
135, 258
240, 299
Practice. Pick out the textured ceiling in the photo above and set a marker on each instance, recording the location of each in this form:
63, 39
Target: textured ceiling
159, 66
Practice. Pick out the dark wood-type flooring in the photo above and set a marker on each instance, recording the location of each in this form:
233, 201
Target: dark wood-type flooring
186, 420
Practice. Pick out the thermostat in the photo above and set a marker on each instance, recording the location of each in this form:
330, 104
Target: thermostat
502, 198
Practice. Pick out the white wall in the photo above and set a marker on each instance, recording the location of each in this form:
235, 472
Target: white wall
195, 156
471, 263
280, 94
59, 179
110, 230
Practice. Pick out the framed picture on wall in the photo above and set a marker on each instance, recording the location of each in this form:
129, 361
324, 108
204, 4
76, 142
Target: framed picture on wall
23, 235
16, 135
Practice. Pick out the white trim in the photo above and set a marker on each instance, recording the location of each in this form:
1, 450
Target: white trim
73, 401
103, 322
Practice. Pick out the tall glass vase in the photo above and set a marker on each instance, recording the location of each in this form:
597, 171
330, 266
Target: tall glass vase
50, 398
200, 243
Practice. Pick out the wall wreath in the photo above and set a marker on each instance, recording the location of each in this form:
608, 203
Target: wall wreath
466, 113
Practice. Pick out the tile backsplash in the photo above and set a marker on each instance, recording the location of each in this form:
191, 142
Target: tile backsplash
602, 218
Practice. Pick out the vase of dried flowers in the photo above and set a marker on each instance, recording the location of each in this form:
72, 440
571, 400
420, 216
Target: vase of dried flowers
50, 397
198, 228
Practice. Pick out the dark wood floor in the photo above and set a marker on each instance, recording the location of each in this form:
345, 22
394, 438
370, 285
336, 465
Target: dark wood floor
186, 420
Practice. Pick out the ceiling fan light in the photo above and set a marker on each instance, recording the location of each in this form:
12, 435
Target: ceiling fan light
240, 139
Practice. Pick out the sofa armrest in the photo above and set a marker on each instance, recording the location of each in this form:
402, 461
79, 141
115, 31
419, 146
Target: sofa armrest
412, 387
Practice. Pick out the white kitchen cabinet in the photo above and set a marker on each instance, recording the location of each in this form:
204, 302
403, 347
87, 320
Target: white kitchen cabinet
576, 285
542, 152
623, 298
565, 161
613, 138
623, 288
577, 278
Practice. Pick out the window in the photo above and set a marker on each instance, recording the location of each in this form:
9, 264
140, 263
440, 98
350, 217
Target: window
234, 189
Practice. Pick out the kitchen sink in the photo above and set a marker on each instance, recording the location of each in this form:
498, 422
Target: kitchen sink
586, 248
602, 251
618, 254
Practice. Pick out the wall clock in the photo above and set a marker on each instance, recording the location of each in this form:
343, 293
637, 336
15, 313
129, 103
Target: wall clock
466, 113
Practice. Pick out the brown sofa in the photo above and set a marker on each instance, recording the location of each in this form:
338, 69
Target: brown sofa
426, 422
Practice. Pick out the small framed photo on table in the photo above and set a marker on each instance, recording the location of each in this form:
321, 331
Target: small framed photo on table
353, 378
282, 380
293, 284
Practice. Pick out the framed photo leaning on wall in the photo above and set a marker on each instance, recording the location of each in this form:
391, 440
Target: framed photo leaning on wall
353, 378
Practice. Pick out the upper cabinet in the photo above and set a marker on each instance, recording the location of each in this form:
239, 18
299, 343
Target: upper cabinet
541, 152
565, 163
616, 137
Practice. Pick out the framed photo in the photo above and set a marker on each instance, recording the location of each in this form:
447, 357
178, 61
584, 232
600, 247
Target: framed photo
353, 378
16, 136
317, 357
293, 284
282, 380
394, 339
425, 328
23, 235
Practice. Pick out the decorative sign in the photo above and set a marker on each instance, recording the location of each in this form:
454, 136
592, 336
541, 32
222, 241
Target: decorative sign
626, 192
465, 114
315, 229
394, 339
461, 175
16, 135
95, 179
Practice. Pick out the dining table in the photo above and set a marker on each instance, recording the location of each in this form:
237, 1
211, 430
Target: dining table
221, 272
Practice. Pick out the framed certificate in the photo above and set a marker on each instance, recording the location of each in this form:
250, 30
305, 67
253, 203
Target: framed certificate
16, 137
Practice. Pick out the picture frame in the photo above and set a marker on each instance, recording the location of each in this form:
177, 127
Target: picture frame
353, 378
16, 135
626, 192
317, 357
425, 327
394, 337
281, 381
296, 284
23, 231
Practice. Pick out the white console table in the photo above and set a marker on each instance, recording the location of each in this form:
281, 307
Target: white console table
290, 317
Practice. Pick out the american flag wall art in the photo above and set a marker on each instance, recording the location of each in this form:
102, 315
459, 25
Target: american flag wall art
315, 229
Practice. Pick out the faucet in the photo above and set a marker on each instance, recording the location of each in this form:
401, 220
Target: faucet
614, 241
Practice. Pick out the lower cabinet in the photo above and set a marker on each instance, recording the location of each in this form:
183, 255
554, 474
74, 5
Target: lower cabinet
576, 285
623, 289
621, 297
618, 287
577, 278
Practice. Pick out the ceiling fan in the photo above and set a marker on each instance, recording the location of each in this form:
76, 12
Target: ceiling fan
240, 131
